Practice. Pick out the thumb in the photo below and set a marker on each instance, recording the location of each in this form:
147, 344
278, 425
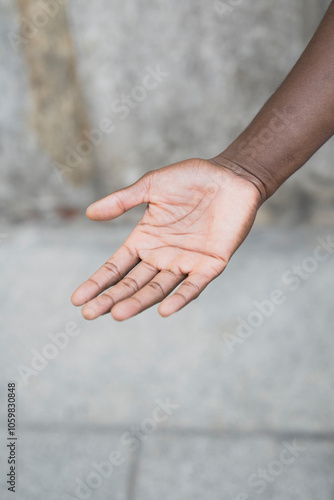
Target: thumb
117, 203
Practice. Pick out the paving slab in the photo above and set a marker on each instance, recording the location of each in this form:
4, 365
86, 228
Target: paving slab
243, 468
279, 377
56, 464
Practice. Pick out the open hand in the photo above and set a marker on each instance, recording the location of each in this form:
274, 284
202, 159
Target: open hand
198, 213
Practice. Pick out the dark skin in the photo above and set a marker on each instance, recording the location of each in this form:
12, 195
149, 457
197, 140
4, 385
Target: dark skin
200, 211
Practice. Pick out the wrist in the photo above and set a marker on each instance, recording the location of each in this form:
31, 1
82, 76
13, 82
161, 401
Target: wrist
245, 181
243, 165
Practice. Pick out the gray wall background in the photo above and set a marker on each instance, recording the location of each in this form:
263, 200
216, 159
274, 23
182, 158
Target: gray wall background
63, 77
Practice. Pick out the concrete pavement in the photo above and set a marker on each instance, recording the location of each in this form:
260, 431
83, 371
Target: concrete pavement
199, 405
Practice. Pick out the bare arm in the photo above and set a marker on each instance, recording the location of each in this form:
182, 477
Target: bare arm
296, 121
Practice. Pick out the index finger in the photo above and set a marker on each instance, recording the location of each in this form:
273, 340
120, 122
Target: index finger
123, 260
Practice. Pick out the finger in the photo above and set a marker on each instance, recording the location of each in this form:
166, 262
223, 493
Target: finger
155, 291
128, 286
117, 203
110, 273
188, 291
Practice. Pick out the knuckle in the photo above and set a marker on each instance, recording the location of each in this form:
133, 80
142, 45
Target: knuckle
131, 253
146, 180
111, 267
149, 266
119, 203
137, 299
176, 274
180, 294
131, 283
193, 286
92, 280
106, 298
157, 287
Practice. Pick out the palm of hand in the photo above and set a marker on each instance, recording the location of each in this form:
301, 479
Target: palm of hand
197, 215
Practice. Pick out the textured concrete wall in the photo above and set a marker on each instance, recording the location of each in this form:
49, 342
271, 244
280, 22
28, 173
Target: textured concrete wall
161, 81
58, 112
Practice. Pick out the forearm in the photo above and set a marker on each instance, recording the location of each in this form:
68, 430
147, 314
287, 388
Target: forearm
294, 123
